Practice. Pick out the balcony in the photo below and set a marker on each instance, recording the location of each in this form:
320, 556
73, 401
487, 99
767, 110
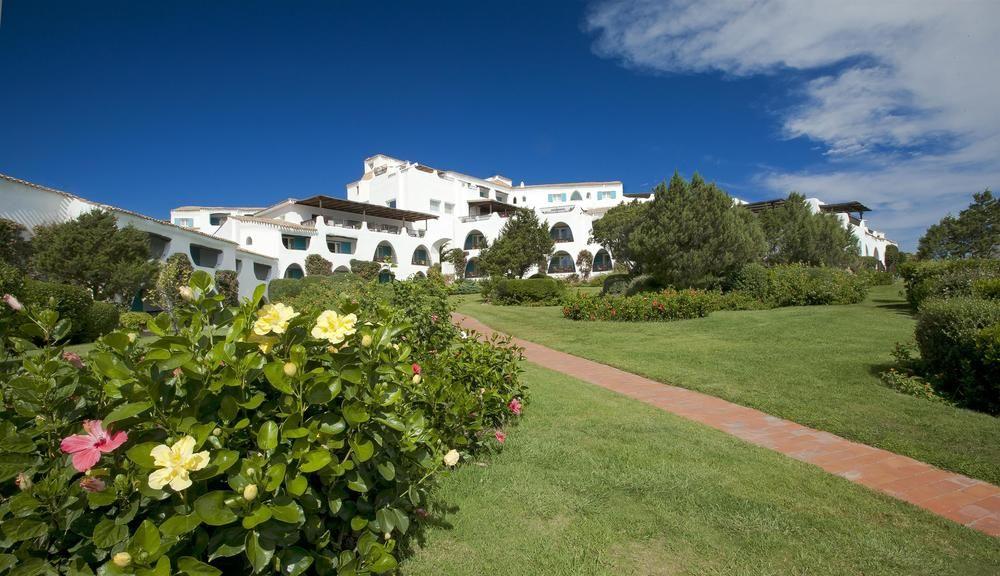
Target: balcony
415, 233
558, 209
386, 228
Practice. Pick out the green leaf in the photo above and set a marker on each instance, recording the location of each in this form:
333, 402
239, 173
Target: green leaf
358, 522
212, 509
140, 454
201, 280
147, 537
295, 561
19, 529
158, 354
267, 436
259, 516
315, 460
273, 477
355, 413
107, 533
13, 464
383, 562
259, 555
33, 567
110, 365
387, 470
222, 460
290, 513
226, 543
297, 486
126, 411
357, 483
179, 525
162, 568
194, 567
275, 374
352, 375
362, 450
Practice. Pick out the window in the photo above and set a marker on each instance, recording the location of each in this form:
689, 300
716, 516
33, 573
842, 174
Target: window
420, 257
261, 271
340, 245
249, 241
472, 269
295, 242
239, 265
205, 256
560, 263
557, 197
384, 252
475, 240
484, 192
294, 271
602, 261
391, 203
217, 219
186, 222
576, 195
561, 233
501, 197
449, 208
435, 205
606, 194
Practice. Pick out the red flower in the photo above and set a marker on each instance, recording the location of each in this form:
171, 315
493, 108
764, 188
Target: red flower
500, 436
515, 406
87, 448
416, 368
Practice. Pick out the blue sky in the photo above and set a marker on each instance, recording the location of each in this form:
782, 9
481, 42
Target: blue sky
152, 105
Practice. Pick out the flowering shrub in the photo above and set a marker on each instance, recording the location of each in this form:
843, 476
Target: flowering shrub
646, 307
240, 440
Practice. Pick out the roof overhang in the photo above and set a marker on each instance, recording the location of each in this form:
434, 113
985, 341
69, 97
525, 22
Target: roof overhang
494, 205
364, 208
853, 206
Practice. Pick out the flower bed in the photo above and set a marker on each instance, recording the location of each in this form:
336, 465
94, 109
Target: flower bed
253, 439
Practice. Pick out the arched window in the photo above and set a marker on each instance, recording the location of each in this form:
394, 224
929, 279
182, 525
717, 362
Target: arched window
475, 240
576, 195
384, 253
385, 276
561, 262
561, 233
421, 257
472, 269
602, 261
294, 271
249, 241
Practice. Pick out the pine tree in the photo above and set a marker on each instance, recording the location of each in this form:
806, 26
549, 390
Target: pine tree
524, 242
796, 234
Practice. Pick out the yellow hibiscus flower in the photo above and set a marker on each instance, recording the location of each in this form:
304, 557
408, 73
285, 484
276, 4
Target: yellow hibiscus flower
273, 318
333, 327
176, 463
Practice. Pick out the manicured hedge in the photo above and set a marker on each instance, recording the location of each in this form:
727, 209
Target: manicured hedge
133, 321
647, 307
528, 291
615, 284
642, 283
465, 287
102, 318
954, 337
72, 302
945, 278
798, 285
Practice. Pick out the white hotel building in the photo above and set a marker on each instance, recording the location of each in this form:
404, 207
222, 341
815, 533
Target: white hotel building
401, 213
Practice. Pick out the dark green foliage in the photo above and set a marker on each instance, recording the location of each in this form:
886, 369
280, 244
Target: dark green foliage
523, 242
796, 234
457, 258
693, 236
975, 233
93, 252
646, 307
313, 294
894, 258
948, 335
316, 265
798, 285
986, 384
227, 282
538, 291
133, 321
71, 302
945, 278
420, 303
174, 273
14, 246
868, 263
988, 288
615, 284
585, 263
613, 231
11, 279
643, 283
102, 318
366, 269
465, 287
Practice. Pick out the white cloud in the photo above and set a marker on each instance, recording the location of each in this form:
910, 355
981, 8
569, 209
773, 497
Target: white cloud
904, 95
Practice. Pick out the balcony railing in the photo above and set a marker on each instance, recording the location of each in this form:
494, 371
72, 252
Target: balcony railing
415, 233
475, 218
558, 209
383, 228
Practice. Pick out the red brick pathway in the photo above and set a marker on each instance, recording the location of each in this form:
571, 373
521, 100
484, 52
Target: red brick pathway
971, 502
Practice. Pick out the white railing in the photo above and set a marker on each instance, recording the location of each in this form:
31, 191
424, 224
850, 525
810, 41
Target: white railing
475, 218
558, 209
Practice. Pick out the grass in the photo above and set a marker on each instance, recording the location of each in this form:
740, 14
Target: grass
816, 365
592, 482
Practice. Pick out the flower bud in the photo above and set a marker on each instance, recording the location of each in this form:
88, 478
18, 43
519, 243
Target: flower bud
122, 559
23, 481
13, 302
217, 432
416, 379
290, 369
186, 293
250, 492
132, 336
387, 535
366, 340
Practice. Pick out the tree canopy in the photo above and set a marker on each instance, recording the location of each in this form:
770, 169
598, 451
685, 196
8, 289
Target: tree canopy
524, 241
974, 233
93, 252
692, 235
796, 234
612, 231
15, 249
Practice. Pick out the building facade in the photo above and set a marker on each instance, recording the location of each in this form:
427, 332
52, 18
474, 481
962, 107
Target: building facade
402, 214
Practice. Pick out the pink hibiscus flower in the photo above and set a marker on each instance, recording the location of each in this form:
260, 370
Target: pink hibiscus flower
515, 406
73, 358
500, 436
91, 484
87, 448
416, 368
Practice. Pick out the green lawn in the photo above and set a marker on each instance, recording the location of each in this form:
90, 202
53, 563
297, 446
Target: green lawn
814, 365
595, 483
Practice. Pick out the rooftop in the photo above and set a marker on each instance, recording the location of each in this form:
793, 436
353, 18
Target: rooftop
364, 208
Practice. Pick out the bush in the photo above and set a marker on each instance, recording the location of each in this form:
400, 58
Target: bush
15, 249
365, 269
988, 288
666, 305
228, 284
174, 273
314, 294
465, 287
614, 284
71, 303
798, 285
877, 277
307, 443
11, 280
102, 318
945, 278
986, 366
949, 335
316, 265
538, 291
642, 283
134, 321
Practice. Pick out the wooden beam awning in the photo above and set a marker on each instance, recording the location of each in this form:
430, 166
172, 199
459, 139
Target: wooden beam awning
493, 205
341, 205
